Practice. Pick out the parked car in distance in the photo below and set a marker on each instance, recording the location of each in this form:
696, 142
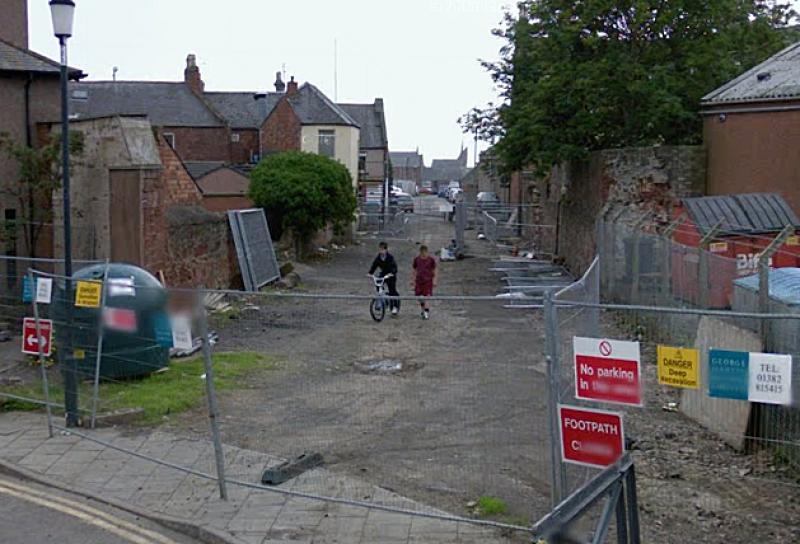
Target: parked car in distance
487, 200
403, 202
442, 192
452, 193
425, 191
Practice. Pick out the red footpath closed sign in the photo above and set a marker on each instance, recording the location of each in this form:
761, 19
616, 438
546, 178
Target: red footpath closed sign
30, 342
607, 370
592, 438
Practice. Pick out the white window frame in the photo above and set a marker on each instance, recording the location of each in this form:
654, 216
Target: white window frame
330, 133
170, 138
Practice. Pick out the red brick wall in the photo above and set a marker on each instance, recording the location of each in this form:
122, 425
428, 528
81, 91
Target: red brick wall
202, 143
182, 239
247, 145
281, 130
754, 152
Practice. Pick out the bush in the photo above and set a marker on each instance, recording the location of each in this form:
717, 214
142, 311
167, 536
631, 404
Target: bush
307, 192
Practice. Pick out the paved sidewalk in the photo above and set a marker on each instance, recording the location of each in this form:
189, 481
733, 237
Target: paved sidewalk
250, 515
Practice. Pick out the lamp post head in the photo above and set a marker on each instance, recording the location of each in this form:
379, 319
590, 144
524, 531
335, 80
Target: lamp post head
62, 12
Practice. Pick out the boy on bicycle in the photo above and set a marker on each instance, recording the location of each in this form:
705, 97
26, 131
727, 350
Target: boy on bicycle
385, 263
425, 278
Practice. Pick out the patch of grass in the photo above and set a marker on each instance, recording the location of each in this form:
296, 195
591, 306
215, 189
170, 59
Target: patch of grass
492, 506
176, 390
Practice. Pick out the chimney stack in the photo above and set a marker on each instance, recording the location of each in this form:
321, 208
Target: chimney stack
15, 23
191, 76
280, 86
291, 87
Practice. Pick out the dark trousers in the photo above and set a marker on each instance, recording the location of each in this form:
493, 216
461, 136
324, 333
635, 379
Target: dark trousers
391, 287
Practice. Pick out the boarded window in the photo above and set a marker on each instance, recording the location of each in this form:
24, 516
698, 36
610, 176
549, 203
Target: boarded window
327, 143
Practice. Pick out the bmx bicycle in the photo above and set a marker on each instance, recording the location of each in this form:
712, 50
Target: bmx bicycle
378, 305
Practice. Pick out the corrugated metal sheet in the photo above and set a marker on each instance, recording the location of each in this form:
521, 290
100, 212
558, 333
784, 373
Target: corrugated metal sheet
778, 77
784, 285
745, 214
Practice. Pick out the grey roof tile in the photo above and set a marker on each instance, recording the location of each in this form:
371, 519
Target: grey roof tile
406, 159
14, 59
370, 118
166, 104
241, 109
776, 78
198, 169
312, 107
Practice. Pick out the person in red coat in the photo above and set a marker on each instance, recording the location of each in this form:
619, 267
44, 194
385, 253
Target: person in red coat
425, 278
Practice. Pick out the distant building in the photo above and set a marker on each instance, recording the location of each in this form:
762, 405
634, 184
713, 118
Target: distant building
407, 165
751, 129
443, 171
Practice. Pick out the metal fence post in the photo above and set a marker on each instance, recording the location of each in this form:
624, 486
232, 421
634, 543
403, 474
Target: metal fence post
40, 348
558, 474
631, 499
100, 331
211, 397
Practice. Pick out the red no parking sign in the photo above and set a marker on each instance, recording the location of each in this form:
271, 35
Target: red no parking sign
607, 370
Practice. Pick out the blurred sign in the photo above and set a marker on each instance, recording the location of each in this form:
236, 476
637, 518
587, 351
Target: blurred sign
87, 294
27, 289
607, 370
162, 330
121, 287
718, 247
592, 438
181, 332
678, 367
770, 378
120, 319
793, 241
44, 290
728, 374
30, 343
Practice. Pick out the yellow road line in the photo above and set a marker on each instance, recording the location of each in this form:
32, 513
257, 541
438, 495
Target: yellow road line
92, 516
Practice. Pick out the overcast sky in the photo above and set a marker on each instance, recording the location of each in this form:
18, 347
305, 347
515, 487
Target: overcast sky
420, 56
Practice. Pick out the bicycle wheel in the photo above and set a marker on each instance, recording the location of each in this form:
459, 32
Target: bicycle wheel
377, 309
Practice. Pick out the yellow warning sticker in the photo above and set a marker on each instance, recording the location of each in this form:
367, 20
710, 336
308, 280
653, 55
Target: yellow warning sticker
87, 294
79, 354
718, 247
678, 367
793, 241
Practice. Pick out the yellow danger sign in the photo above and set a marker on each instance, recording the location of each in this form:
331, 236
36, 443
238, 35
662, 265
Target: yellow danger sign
678, 367
793, 241
87, 294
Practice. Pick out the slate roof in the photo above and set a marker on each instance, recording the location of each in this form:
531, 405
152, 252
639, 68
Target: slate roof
241, 109
445, 170
166, 104
14, 59
372, 121
312, 107
406, 159
198, 169
744, 213
777, 78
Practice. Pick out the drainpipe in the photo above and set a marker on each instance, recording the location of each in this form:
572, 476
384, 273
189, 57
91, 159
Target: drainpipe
29, 143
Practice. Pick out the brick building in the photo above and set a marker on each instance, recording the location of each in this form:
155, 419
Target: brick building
407, 165
751, 129
373, 152
29, 94
443, 171
135, 202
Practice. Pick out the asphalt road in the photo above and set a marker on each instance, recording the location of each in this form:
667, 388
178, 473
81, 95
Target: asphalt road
33, 514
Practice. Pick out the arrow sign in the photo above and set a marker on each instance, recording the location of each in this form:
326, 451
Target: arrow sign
30, 343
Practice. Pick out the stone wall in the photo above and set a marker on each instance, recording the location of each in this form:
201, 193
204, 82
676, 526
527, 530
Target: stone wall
629, 183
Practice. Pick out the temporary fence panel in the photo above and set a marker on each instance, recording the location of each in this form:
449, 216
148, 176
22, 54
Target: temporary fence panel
253, 243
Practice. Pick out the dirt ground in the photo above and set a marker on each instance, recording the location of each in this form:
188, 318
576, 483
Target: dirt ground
465, 416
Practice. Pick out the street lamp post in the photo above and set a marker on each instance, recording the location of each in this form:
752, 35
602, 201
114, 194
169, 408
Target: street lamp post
63, 12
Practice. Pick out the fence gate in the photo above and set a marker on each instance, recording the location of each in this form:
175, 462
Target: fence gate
254, 248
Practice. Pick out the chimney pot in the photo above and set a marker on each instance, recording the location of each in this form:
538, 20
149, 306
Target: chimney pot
291, 87
191, 75
280, 86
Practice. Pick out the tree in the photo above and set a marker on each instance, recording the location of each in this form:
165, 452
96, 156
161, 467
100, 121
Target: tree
308, 192
577, 76
39, 175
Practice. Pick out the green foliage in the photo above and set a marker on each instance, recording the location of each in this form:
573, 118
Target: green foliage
580, 76
307, 191
492, 506
177, 390
39, 175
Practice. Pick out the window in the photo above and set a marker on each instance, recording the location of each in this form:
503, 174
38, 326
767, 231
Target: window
362, 163
235, 137
170, 138
327, 143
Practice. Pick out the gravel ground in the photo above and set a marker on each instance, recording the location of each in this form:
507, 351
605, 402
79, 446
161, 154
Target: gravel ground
465, 414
